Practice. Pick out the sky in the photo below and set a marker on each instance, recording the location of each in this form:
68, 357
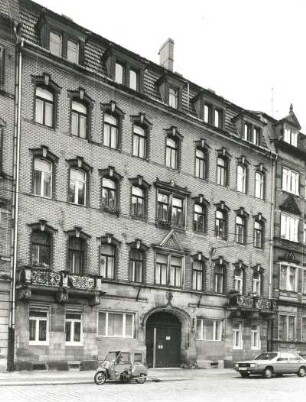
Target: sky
251, 52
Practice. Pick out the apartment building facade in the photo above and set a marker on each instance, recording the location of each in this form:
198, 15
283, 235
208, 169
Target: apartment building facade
145, 206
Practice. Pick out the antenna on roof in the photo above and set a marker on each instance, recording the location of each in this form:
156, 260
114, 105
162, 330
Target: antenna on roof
272, 102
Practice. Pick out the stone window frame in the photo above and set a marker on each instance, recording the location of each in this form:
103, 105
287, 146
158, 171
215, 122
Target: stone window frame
141, 121
82, 97
112, 174
44, 81
204, 147
110, 239
145, 186
79, 164
113, 110
42, 226
140, 247
77, 232
174, 135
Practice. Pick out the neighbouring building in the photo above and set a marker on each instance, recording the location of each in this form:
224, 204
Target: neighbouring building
289, 276
8, 14
153, 214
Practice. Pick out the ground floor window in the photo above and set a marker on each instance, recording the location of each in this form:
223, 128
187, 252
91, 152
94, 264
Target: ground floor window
38, 327
237, 335
119, 325
209, 330
255, 337
73, 329
287, 328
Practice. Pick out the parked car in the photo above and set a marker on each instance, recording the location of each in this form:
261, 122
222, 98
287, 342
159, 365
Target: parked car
122, 366
268, 364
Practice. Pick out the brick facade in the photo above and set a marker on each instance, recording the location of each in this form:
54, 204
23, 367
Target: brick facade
52, 303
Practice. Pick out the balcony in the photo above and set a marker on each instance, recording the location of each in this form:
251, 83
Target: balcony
250, 306
62, 284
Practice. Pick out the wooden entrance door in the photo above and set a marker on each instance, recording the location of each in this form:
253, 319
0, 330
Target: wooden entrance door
163, 340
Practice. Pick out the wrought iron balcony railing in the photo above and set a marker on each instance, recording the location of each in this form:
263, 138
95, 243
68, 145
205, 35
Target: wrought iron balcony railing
254, 303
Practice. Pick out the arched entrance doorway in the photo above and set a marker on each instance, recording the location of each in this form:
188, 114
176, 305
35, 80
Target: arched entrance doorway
163, 340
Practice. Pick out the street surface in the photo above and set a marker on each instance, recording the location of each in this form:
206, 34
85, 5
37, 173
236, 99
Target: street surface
220, 387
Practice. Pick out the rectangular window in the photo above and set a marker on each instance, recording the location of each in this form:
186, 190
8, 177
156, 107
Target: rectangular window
73, 329
134, 80
56, 44
209, 330
289, 227
116, 325
247, 132
173, 97
168, 270
255, 337
119, 71
197, 275
256, 135
208, 113
218, 118
237, 336
288, 278
5, 231
38, 327
287, 328
290, 136
290, 181
72, 51
170, 209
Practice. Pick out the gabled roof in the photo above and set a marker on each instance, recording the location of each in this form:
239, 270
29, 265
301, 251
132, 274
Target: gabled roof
291, 119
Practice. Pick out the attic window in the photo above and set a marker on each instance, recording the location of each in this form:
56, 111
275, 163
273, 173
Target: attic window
290, 136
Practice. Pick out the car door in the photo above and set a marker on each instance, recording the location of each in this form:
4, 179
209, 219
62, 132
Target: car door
281, 363
293, 363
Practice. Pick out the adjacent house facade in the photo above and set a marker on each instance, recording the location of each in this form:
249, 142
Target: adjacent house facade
145, 207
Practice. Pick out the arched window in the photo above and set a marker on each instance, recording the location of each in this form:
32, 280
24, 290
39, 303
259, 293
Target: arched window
241, 178
172, 149
219, 278
42, 178
109, 193
222, 171
76, 255
138, 202
44, 106
111, 131
107, 260
79, 114
41, 248
139, 142
78, 186
258, 234
136, 265
240, 229
239, 279
199, 218
257, 282
220, 228
198, 275
259, 185
201, 163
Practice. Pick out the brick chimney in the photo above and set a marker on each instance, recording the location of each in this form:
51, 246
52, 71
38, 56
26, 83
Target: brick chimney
166, 54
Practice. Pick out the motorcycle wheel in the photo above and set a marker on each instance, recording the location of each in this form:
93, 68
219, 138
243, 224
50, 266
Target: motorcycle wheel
141, 379
100, 378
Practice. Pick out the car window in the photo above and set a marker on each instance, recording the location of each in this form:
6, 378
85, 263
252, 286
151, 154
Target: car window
282, 359
124, 358
266, 356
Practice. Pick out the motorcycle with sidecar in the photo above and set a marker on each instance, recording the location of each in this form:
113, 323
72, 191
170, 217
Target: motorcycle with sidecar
123, 366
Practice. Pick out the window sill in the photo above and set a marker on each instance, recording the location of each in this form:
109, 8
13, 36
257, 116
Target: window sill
33, 343
111, 211
139, 218
52, 128
110, 148
169, 225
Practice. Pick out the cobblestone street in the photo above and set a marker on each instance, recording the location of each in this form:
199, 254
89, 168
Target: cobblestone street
221, 387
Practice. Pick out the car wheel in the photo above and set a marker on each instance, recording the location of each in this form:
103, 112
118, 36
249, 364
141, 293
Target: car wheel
301, 372
268, 372
245, 375
100, 378
141, 379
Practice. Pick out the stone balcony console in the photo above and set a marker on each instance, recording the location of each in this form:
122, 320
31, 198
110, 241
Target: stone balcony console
248, 306
38, 280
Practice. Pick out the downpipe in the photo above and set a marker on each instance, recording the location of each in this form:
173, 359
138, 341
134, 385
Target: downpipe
15, 206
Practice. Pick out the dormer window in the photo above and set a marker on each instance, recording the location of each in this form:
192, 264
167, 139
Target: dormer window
251, 133
73, 51
290, 136
61, 39
208, 114
119, 73
173, 97
134, 80
56, 44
